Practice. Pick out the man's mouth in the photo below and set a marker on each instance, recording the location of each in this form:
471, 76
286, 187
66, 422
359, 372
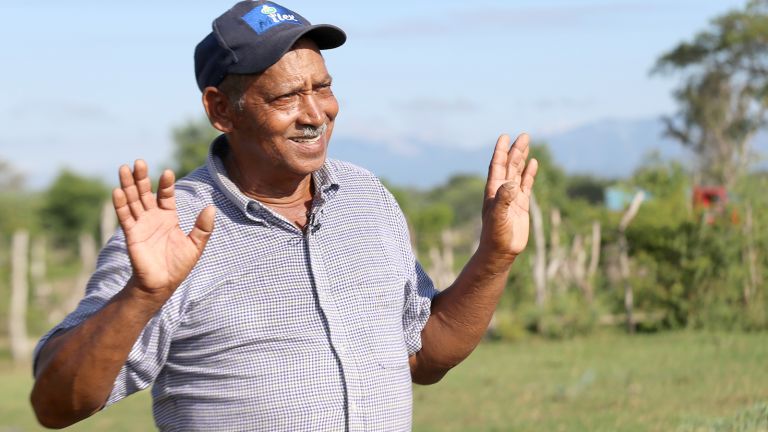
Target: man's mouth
311, 134
305, 140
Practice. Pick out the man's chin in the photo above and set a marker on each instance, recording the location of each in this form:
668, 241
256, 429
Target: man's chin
308, 157
307, 164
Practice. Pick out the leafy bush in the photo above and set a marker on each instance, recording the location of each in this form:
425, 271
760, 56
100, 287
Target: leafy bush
508, 326
565, 315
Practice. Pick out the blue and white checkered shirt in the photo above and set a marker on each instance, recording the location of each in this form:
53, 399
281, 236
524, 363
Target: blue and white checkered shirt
277, 329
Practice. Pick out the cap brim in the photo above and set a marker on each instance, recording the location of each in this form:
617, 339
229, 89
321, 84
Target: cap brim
326, 36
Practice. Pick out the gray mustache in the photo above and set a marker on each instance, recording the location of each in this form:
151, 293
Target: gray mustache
313, 132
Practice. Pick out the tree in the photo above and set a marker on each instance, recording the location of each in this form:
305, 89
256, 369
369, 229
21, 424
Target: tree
430, 222
191, 142
464, 194
724, 94
588, 188
72, 206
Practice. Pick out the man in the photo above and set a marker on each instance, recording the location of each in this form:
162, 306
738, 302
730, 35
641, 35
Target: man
304, 308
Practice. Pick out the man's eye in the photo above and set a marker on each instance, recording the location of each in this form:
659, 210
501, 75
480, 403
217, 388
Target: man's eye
286, 97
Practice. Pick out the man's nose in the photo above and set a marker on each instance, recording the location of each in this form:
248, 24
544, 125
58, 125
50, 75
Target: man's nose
311, 111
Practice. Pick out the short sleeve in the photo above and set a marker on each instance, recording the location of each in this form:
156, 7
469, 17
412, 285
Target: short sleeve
419, 288
419, 292
148, 354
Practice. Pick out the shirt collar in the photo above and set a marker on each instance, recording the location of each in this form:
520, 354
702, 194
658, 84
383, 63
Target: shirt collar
325, 180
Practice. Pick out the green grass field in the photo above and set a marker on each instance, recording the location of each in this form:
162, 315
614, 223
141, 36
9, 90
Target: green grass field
686, 382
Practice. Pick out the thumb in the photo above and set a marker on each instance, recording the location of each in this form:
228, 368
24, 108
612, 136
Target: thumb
203, 228
505, 196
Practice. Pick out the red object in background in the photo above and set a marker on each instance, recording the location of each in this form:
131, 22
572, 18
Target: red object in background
711, 200
709, 197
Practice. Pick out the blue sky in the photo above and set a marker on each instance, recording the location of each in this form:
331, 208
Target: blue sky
90, 85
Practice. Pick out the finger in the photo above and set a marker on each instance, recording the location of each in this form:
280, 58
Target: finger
203, 228
514, 161
120, 202
165, 191
522, 142
517, 155
143, 185
497, 170
131, 193
526, 153
529, 177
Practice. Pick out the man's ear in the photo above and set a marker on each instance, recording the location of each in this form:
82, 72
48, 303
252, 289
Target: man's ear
220, 111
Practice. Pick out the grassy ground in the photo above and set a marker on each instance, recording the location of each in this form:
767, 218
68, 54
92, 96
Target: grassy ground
602, 383
669, 382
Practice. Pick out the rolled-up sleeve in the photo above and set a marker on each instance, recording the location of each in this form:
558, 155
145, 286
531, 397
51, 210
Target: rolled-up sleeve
418, 302
146, 359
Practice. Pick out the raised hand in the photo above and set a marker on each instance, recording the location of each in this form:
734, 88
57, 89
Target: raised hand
161, 254
507, 197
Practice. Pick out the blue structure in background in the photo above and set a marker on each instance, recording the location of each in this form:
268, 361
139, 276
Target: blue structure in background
618, 199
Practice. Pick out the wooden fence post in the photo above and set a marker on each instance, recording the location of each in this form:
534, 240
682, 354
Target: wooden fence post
442, 258
37, 271
108, 222
556, 259
629, 297
88, 254
17, 323
594, 260
540, 257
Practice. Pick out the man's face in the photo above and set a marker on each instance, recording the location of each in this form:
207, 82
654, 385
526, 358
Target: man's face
288, 113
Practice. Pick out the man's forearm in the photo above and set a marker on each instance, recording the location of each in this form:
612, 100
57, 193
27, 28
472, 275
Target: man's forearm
76, 370
460, 317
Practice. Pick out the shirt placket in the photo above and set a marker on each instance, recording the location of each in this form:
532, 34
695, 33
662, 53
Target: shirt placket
339, 335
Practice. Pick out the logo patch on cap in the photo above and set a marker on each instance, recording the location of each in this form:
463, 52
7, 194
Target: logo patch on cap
261, 19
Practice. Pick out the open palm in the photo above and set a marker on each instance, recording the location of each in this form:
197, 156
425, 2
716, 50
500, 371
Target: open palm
507, 197
161, 254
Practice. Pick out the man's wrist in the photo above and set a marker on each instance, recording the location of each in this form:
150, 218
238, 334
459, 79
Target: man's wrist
493, 260
146, 303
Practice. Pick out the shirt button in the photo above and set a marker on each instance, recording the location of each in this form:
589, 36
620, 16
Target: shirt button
342, 349
352, 407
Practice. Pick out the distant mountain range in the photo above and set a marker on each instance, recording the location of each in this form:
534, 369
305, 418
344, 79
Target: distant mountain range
608, 148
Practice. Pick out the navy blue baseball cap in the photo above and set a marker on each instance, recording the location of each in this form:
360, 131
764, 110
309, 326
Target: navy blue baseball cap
253, 36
